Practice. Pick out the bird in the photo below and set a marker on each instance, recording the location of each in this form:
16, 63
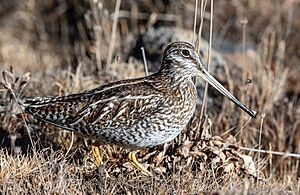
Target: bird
134, 113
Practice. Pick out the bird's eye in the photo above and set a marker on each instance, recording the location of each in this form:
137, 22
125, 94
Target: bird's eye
185, 53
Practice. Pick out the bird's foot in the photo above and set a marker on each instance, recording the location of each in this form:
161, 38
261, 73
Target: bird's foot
97, 155
133, 160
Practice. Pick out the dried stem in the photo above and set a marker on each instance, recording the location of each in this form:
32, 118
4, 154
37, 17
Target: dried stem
113, 34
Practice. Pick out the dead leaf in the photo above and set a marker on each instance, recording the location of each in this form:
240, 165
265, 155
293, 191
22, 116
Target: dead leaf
248, 165
185, 149
229, 168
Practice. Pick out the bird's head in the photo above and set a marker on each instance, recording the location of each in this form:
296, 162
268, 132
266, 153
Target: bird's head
181, 61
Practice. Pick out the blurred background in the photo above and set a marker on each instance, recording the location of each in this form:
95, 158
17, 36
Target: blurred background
59, 47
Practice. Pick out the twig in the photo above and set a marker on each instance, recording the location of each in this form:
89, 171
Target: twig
202, 9
28, 132
23, 118
204, 101
98, 30
145, 61
195, 22
72, 141
209, 50
145, 16
260, 132
286, 154
244, 125
113, 34
244, 71
198, 42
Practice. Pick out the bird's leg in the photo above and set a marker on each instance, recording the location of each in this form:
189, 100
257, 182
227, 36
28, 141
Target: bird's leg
98, 157
133, 160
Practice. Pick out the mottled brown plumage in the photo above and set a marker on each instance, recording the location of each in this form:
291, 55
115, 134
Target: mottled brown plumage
134, 113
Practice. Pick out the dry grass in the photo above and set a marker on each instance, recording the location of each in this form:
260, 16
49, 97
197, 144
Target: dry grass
67, 46
49, 172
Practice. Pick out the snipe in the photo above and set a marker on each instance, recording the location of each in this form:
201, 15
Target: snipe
134, 113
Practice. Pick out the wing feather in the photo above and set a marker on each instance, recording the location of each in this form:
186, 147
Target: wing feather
115, 105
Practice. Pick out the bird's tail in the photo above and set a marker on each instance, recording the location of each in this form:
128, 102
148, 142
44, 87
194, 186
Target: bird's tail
23, 115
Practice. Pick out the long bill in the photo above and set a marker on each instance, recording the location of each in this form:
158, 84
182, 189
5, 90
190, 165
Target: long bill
213, 82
